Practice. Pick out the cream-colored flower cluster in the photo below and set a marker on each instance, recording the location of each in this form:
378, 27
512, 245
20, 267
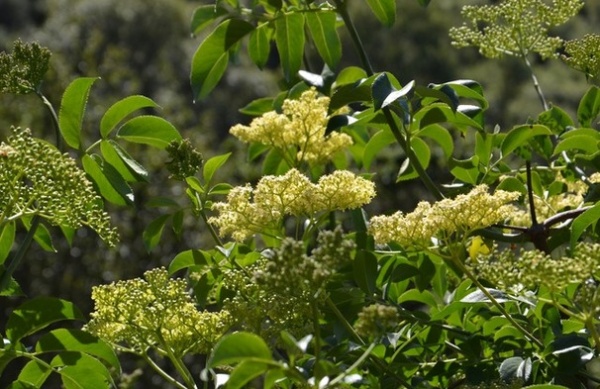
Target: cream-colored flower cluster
37, 179
514, 27
301, 126
248, 211
548, 206
530, 269
467, 212
154, 312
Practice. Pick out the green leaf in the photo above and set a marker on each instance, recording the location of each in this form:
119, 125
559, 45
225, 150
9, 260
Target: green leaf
42, 235
121, 109
81, 371
237, 347
515, 368
204, 15
212, 165
377, 142
7, 238
583, 221
556, 119
150, 130
104, 185
153, 232
37, 313
72, 108
211, 57
589, 107
259, 46
189, 258
423, 153
245, 372
220, 189
441, 136
289, 38
520, 135
118, 158
479, 297
71, 339
384, 10
322, 27
512, 184
365, 270
21, 385
384, 92
258, 107
585, 143
12, 289
35, 373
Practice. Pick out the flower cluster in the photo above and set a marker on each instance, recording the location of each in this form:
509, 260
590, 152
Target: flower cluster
530, 269
375, 320
584, 55
248, 211
277, 291
185, 161
21, 72
572, 197
154, 312
514, 27
36, 179
301, 126
474, 210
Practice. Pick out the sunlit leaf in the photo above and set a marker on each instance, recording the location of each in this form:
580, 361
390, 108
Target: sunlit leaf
289, 38
121, 109
72, 109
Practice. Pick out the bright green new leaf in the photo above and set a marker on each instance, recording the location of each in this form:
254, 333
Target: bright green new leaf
153, 232
81, 371
211, 57
124, 164
585, 143
589, 107
104, 185
72, 108
259, 45
35, 373
520, 135
187, 259
70, 339
7, 237
238, 347
377, 142
121, 109
258, 107
37, 313
212, 165
583, 221
441, 136
384, 10
322, 27
245, 372
289, 38
12, 289
150, 130
204, 15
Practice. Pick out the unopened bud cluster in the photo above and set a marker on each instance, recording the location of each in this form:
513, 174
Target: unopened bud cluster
21, 71
156, 311
36, 179
376, 320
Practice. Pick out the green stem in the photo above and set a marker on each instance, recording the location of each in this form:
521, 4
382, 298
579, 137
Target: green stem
14, 263
317, 329
179, 366
495, 302
427, 181
55, 122
355, 365
211, 229
161, 372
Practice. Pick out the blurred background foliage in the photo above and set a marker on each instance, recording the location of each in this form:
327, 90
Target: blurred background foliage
144, 47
